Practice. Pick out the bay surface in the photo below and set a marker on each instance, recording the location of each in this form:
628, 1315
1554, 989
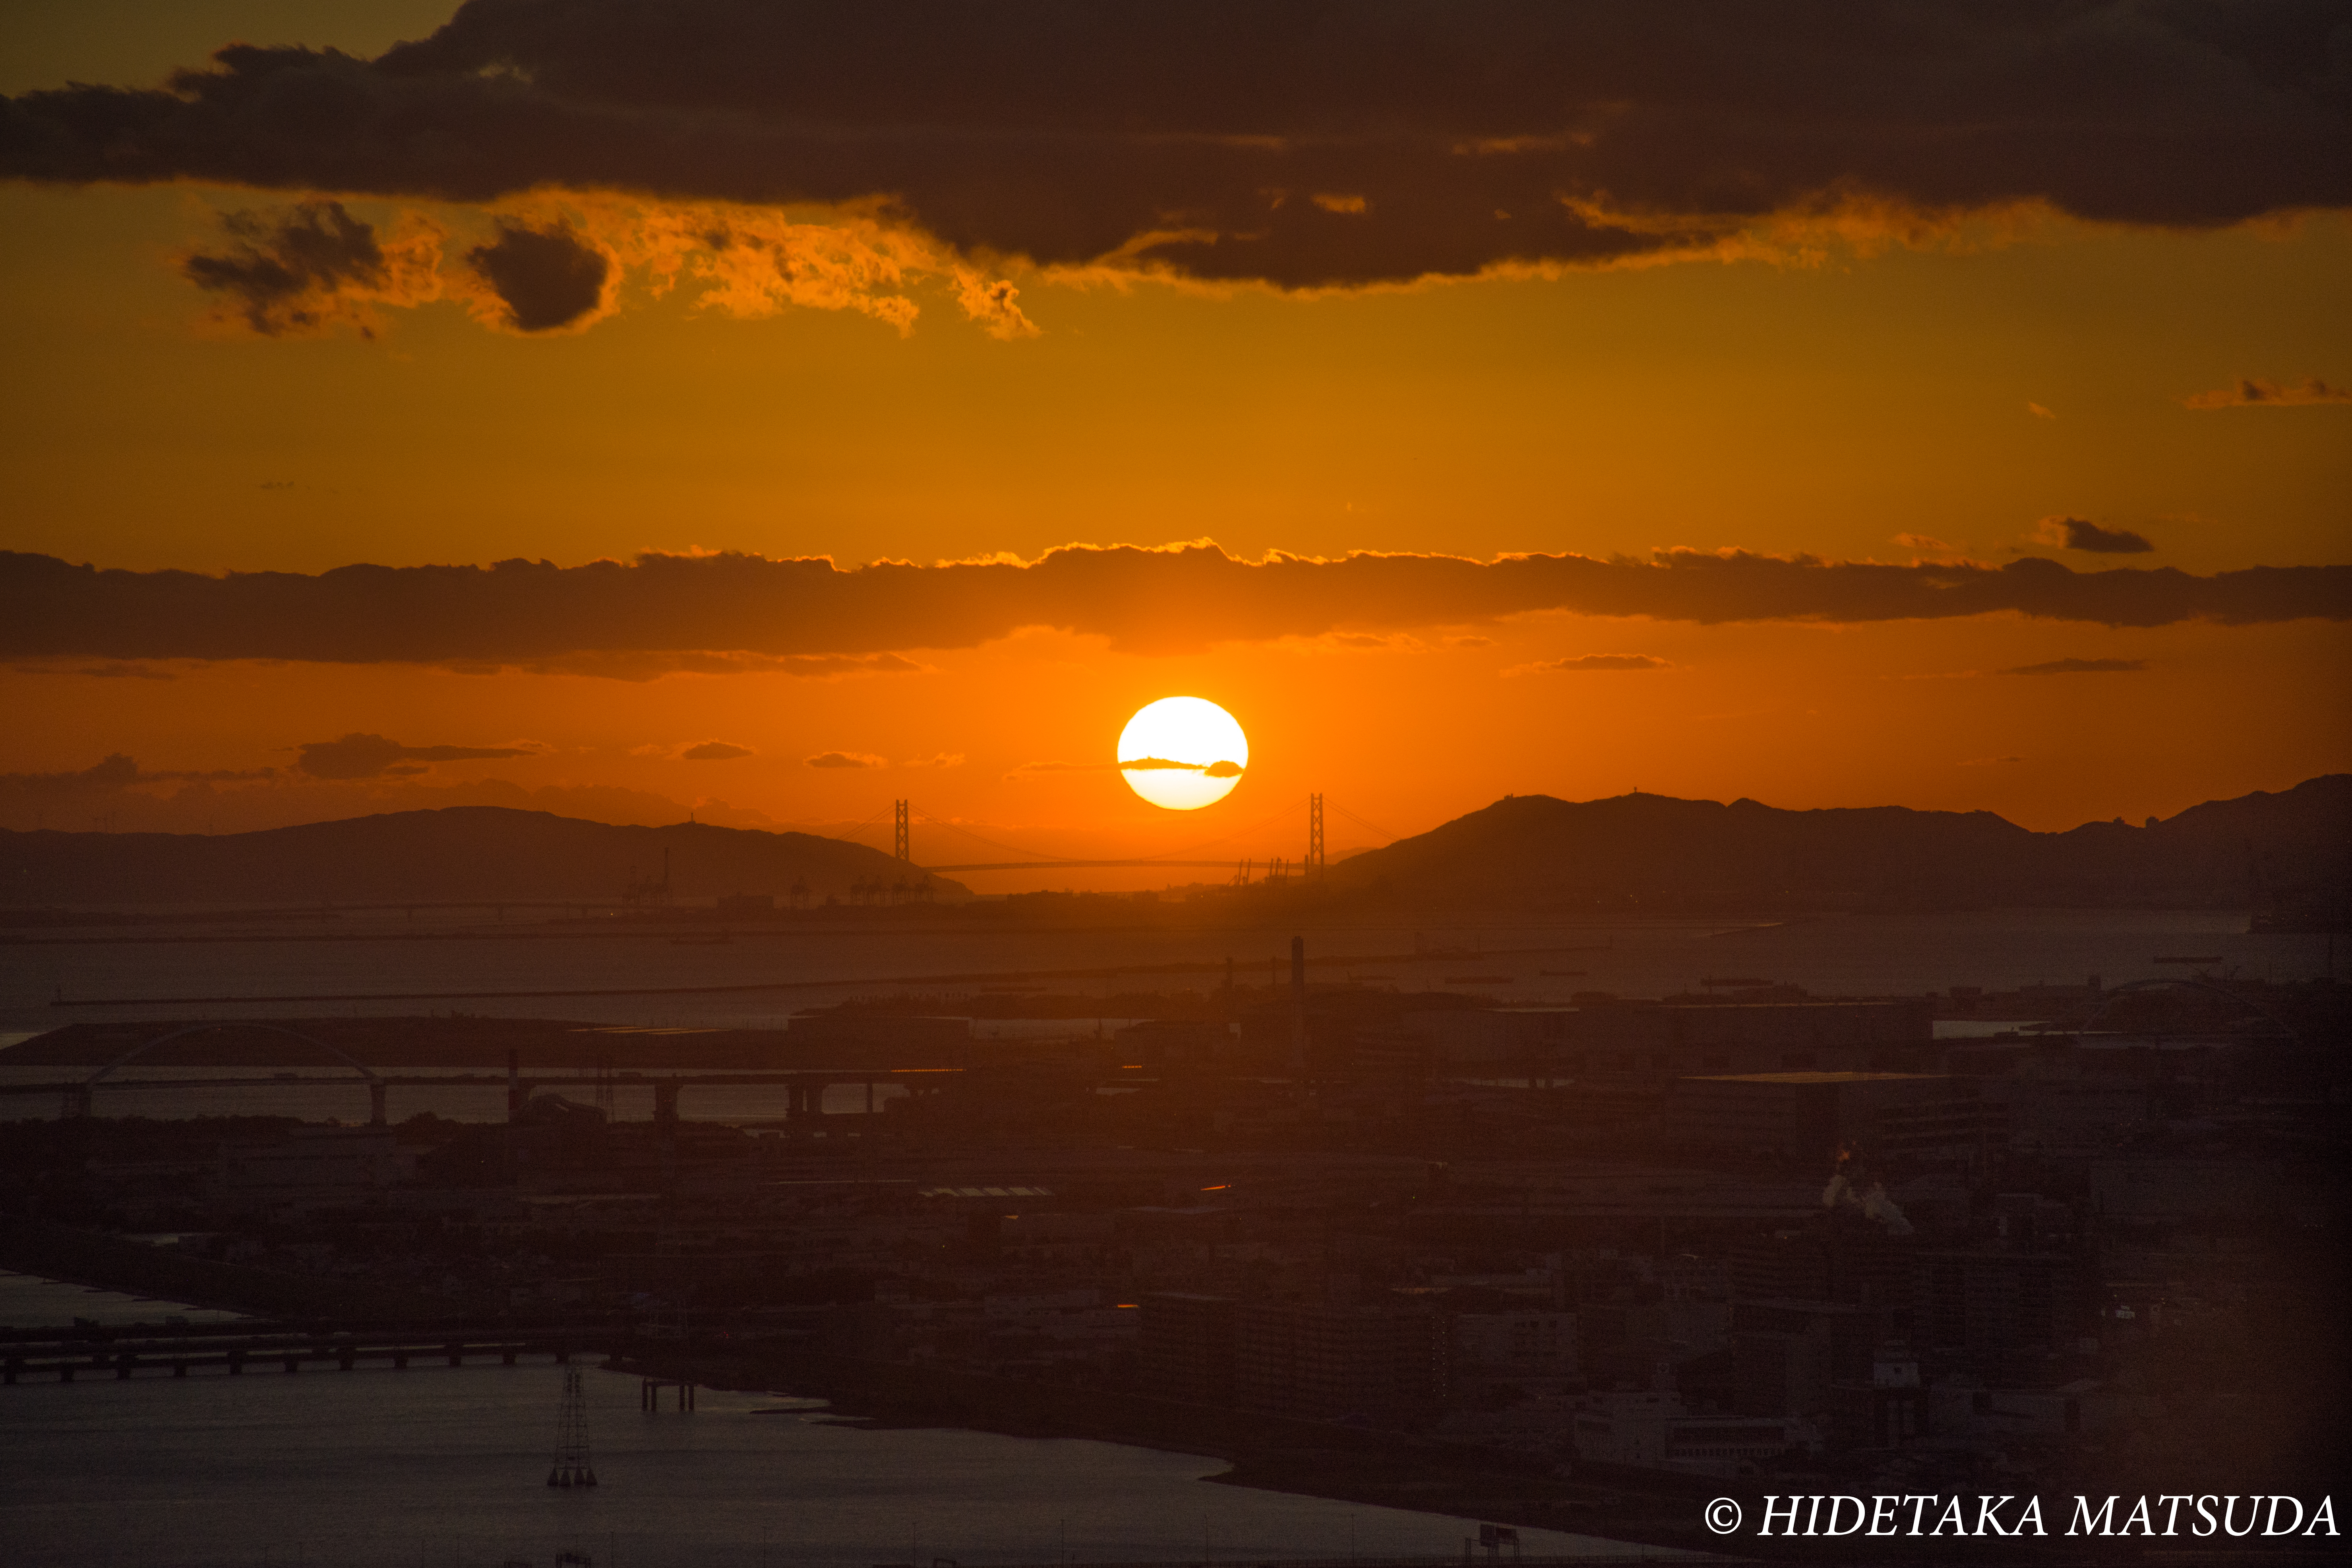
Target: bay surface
436, 1467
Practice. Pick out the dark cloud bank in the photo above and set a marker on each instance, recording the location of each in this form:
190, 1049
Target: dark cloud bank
546, 278
637, 616
279, 265
365, 757
1298, 141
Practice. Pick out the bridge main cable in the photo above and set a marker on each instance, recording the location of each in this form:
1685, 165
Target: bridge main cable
1041, 861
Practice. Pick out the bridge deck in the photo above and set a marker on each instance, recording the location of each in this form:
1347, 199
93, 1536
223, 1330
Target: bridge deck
65, 1360
572, 1079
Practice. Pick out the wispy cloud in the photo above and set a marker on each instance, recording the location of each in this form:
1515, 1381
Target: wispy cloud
2039, 412
2253, 392
845, 760
366, 756
1927, 544
714, 752
1054, 765
118, 771
2080, 666
653, 664
116, 671
1595, 661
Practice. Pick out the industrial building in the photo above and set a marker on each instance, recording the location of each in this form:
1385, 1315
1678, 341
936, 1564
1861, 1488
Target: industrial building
1311, 1360
1324, 1361
1811, 1115
1628, 1042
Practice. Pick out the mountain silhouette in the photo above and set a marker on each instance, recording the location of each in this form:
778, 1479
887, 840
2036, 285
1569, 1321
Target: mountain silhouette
469, 852
2287, 855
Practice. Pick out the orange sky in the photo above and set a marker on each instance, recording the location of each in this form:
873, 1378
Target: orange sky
1795, 391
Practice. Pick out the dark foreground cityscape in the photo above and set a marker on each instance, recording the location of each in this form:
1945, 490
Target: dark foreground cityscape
1581, 1268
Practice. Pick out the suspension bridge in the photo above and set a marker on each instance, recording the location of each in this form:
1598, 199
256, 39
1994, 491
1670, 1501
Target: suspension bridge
1312, 862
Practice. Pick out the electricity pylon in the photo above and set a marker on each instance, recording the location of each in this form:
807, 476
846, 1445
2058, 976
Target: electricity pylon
571, 1467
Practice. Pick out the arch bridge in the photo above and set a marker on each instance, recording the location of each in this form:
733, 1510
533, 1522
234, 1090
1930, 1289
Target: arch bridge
78, 1097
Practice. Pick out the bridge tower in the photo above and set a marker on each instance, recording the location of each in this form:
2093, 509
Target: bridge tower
1314, 867
571, 1467
902, 845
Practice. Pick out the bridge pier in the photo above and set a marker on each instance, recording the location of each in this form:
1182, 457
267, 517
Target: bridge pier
376, 1089
649, 1391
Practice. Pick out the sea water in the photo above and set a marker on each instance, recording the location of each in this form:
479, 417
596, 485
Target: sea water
436, 1467
765, 974
779, 970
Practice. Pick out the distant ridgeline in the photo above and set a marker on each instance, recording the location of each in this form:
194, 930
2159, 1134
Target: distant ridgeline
2285, 858
473, 852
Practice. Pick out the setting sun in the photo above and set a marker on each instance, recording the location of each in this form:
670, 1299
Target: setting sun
1182, 753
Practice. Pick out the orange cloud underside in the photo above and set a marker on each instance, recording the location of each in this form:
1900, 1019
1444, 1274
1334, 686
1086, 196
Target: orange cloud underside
1866, 407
